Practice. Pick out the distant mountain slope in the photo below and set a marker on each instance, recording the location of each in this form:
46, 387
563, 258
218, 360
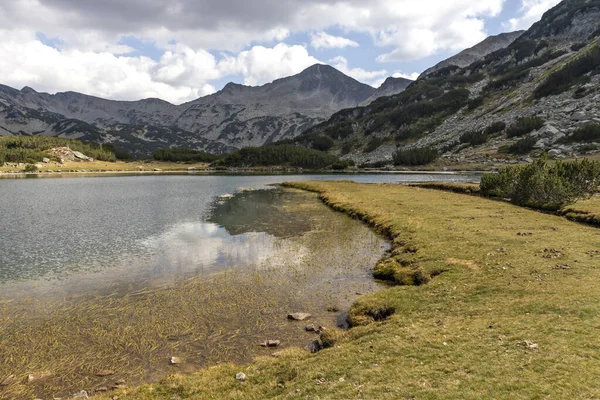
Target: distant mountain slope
540, 93
390, 87
234, 117
477, 52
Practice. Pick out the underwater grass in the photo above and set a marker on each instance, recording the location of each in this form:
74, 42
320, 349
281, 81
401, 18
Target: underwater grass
205, 320
515, 314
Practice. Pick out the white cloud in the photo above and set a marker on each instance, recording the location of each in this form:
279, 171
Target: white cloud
531, 12
370, 77
323, 40
181, 74
91, 58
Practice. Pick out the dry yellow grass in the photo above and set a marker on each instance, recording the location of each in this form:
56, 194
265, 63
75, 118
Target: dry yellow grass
523, 325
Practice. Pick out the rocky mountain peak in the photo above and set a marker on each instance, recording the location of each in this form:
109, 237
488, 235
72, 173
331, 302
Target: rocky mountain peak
569, 20
28, 90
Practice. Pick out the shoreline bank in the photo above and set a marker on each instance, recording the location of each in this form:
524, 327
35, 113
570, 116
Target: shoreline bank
510, 317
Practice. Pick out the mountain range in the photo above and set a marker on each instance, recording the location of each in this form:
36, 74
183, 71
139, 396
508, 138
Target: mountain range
234, 117
506, 100
546, 78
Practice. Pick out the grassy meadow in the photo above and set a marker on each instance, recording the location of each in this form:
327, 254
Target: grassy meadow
512, 311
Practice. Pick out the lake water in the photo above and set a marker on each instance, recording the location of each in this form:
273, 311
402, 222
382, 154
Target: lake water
55, 227
124, 272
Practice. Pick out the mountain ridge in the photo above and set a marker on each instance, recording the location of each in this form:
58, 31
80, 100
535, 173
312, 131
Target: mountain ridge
234, 117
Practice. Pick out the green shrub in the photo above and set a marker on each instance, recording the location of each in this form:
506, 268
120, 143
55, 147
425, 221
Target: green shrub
374, 164
373, 144
580, 93
30, 168
523, 146
474, 138
524, 125
495, 127
181, 154
348, 146
283, 154
543, 185
322, 143
415, 156
569, 75
342, 165
475, 103
587, 133
340, 131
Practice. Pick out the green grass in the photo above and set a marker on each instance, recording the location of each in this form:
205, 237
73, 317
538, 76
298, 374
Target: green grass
467, 334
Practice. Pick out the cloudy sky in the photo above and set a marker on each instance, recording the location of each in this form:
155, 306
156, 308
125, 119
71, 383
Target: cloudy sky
179, 50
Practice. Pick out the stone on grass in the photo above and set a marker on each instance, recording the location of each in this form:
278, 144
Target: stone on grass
38, 376
314, 346
271, 343
240, 376
81, 395
298, 316
175, 360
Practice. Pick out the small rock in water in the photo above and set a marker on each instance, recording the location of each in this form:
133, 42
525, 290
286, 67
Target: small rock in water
175, 360
8, 380
81, 395
240, 376
105, 372
38, 376
298, 316
313, 346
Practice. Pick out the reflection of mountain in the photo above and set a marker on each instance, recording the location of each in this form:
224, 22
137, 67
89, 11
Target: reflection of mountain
259, 211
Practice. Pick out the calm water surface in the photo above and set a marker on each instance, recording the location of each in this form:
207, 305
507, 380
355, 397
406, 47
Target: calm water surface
148, 226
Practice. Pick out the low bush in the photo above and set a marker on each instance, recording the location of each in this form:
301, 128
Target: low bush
587, 133
180, 154
474, 138
475, 103
373, 144
375, 164
322, 143
495, 127
342, 165
524, 125
30, 168
543, 185
283, 154
415, 156
523, 146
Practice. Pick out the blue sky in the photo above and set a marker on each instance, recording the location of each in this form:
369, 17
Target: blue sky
179, 50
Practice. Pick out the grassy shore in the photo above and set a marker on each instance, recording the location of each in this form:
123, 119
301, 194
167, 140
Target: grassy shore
513, 315
108, 166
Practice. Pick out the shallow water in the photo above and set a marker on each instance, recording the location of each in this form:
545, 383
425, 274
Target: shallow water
123, 273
